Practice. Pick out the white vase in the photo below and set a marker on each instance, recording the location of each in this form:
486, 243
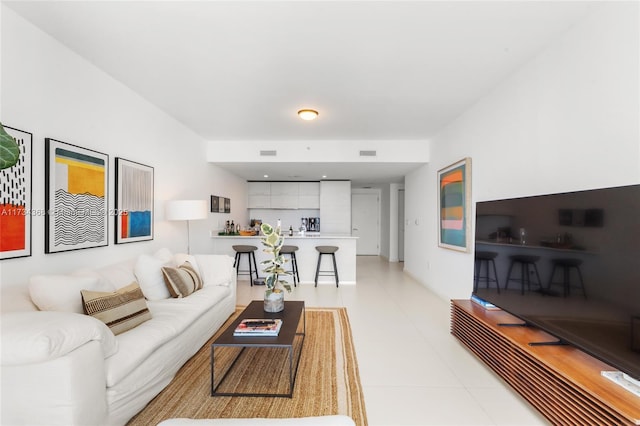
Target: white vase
273, 301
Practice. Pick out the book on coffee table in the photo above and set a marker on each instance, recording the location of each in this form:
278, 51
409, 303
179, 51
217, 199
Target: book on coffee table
258, 327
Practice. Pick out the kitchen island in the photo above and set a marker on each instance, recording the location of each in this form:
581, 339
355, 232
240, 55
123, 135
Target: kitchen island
307, 256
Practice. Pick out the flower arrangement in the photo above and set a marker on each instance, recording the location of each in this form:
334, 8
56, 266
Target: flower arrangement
273, 240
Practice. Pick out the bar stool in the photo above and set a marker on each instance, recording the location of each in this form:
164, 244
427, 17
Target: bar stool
484, 258
566, 264
327, 250
527, 265
291, 251
251, 256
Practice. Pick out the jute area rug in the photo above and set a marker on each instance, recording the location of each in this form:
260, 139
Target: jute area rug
327, 381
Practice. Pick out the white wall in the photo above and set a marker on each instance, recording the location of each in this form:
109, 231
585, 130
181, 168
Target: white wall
567, 120
51, 92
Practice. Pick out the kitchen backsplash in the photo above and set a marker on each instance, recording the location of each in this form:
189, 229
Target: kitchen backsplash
287, 217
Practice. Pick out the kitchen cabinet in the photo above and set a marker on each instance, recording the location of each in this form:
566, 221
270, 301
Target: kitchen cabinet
284, 195
259, 195
335, 207
309, 195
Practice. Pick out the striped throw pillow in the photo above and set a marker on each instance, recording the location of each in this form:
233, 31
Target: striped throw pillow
183, 280
121, 310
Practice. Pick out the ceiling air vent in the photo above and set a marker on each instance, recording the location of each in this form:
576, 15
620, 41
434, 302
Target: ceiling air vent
269, 153
367, 153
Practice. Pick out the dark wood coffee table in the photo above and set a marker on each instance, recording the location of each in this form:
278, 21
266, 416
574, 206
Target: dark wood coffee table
293, 313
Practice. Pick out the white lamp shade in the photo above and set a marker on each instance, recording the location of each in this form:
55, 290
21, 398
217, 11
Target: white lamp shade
186, 209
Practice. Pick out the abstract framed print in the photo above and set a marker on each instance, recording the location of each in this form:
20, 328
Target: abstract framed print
76, 189
215, 204
454, 205
15, 192
134, 202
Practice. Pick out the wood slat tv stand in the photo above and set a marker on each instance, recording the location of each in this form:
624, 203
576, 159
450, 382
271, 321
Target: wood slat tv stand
562, 382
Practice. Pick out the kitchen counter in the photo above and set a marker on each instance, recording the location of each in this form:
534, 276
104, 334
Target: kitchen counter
306, 236
307, 256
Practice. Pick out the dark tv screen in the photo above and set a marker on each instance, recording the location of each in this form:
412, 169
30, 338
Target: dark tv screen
582, 280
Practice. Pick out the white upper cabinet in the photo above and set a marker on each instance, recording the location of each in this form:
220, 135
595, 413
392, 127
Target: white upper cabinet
259, 188
259, 195
284, 195
309, 195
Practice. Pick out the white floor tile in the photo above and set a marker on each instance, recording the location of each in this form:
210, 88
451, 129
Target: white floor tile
413, 371
422, 406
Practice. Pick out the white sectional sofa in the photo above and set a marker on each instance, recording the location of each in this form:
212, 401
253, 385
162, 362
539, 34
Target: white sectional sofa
62, 367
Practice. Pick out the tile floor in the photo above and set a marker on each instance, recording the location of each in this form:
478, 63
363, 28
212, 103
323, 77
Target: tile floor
412, 370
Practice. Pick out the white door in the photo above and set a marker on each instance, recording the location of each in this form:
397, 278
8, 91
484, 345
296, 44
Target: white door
365, 222
401, 225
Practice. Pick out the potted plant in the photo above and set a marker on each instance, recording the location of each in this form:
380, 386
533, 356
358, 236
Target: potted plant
272, 239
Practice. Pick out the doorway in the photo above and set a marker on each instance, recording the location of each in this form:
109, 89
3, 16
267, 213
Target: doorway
365, 222
401, 225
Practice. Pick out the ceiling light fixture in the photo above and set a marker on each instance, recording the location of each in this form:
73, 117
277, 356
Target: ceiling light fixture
308, 114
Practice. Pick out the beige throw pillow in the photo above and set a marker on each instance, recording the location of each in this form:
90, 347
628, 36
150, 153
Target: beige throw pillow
183, 280
121, 310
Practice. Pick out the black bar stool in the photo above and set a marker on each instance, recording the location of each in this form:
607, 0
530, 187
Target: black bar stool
251, 256
327, 250
291, 251
527, 265
566, 265
484, 258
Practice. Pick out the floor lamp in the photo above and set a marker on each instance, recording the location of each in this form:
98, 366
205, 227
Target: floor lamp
186, 210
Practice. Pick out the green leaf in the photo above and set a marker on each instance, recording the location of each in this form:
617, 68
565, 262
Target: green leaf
9, 150
271, 281
266, 229
272, 239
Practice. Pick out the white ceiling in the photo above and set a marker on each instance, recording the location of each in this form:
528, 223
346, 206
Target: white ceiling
376, 70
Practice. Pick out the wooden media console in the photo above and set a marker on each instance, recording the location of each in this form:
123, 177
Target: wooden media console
562, 382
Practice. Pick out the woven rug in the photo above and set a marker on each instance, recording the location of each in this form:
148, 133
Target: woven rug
327, 381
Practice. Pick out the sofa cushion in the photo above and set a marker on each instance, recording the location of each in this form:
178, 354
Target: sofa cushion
170, 318
165, 255
215, 269
121, 310
118, 274
180, 258
149, 275
62, 292
182, 281
39, 336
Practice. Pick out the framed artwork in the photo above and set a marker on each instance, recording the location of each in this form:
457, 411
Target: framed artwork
220, 204
454, 206
134, 202
215, 204
16, 212
76, 188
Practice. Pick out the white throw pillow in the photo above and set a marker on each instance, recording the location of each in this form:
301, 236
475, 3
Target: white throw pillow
62, 292
148, 271
30, 337
181, 258
118, 274
215, 269
164, 254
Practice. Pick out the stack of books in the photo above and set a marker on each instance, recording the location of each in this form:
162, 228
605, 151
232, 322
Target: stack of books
258, 327
487, 305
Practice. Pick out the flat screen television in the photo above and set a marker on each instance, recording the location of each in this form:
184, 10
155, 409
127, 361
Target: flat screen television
596, 234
